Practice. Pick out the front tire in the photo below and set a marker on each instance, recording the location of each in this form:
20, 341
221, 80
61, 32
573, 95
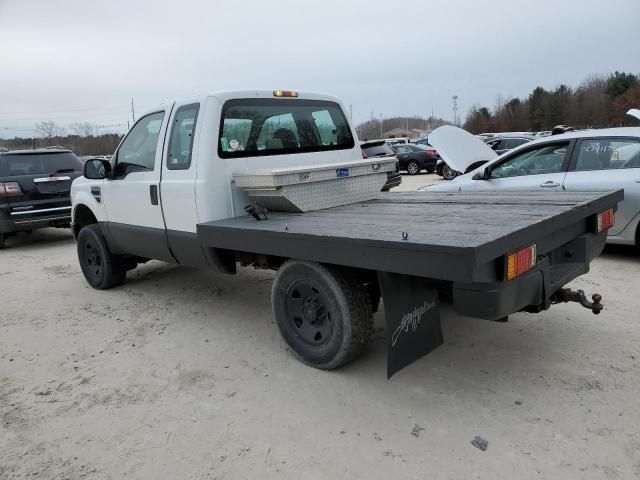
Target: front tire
448, 173
100, 267
323, 313
413, 168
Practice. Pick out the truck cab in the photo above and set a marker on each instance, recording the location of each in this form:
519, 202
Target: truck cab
173, 169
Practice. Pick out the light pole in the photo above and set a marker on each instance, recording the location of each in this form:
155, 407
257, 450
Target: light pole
455, 109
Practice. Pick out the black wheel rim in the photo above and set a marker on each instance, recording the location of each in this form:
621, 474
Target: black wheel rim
92, 259
308, 314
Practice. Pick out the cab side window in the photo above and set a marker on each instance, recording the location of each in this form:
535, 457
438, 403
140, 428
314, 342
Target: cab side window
138, 151
181, 141
608, 154
536, 161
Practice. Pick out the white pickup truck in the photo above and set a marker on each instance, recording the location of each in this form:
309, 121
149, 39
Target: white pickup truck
168, 193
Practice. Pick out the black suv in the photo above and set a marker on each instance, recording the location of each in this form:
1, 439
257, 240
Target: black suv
34, 189
379, 148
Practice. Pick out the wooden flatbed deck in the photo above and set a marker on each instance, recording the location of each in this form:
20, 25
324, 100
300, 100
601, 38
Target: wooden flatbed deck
449, 235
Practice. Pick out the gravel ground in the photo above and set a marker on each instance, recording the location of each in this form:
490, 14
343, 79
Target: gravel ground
181, 374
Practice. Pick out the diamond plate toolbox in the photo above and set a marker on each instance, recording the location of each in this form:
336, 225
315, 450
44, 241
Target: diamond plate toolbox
315, 187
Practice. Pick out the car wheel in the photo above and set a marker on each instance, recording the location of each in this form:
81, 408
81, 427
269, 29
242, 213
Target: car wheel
431, 170
413, 168
100, 267
324, 315
448, 173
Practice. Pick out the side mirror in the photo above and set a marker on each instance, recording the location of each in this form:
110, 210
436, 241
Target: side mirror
482, 175
97, 169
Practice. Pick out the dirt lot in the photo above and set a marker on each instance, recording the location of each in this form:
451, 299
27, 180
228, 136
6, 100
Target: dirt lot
181, 374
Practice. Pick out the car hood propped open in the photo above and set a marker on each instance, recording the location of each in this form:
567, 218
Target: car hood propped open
634, 112
459, 148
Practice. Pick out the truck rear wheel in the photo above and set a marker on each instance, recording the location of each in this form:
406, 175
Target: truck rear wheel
100, 267
323, 313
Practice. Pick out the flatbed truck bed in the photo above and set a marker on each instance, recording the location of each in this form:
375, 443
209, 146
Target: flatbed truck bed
418, 243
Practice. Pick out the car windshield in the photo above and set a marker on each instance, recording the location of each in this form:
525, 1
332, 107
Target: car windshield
12, 165
257, 127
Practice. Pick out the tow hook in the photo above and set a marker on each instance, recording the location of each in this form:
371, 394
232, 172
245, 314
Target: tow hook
567, 295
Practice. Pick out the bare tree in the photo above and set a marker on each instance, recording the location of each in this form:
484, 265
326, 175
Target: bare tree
83, 129
48, 128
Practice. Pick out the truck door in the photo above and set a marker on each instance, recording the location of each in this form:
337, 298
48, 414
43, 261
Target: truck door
178, 185
135, 224
541, 167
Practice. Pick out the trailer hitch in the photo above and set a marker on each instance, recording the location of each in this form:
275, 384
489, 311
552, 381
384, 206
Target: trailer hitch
567, 295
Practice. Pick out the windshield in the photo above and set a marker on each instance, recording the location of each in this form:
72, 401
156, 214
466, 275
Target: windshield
38, 164
257, 127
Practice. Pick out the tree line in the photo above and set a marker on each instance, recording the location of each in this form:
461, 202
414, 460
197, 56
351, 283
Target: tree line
598, 102
85, 139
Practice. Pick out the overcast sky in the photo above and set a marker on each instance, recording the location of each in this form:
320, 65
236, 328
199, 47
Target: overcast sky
81, 60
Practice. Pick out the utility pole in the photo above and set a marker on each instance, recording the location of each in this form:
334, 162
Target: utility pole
380, 125
133, 112
455, 109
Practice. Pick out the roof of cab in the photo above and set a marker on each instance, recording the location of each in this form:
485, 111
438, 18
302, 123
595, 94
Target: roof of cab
225, 95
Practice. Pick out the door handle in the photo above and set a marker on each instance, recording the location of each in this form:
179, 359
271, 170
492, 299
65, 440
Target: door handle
549, 184
153, 193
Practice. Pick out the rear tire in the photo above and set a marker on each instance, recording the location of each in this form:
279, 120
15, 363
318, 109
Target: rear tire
323, 313
100, 267
413, 168
431, 170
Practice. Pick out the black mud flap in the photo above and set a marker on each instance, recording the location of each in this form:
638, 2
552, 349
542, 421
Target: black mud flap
412, 319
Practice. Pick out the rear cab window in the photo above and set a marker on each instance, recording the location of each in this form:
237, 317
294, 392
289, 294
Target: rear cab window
261, 127
13, 165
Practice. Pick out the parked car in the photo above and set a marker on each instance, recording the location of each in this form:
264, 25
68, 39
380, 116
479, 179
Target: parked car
422, 141
584, 160
34, 189
459, 144
502, 144
415, 158
396, 141
380, 148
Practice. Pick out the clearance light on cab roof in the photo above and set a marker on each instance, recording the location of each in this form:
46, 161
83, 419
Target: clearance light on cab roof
520, 262
285, 93
605, 220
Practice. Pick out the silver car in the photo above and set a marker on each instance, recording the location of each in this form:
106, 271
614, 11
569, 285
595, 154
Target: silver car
583, 160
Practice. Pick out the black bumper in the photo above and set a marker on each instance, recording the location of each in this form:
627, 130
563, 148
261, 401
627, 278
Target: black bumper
533, 290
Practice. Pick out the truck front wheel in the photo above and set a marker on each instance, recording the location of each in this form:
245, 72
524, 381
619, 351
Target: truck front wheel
323, 313
100, 267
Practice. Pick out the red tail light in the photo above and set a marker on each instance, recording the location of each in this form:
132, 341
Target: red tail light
605, 220
520, 262
9, 189
431, 153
